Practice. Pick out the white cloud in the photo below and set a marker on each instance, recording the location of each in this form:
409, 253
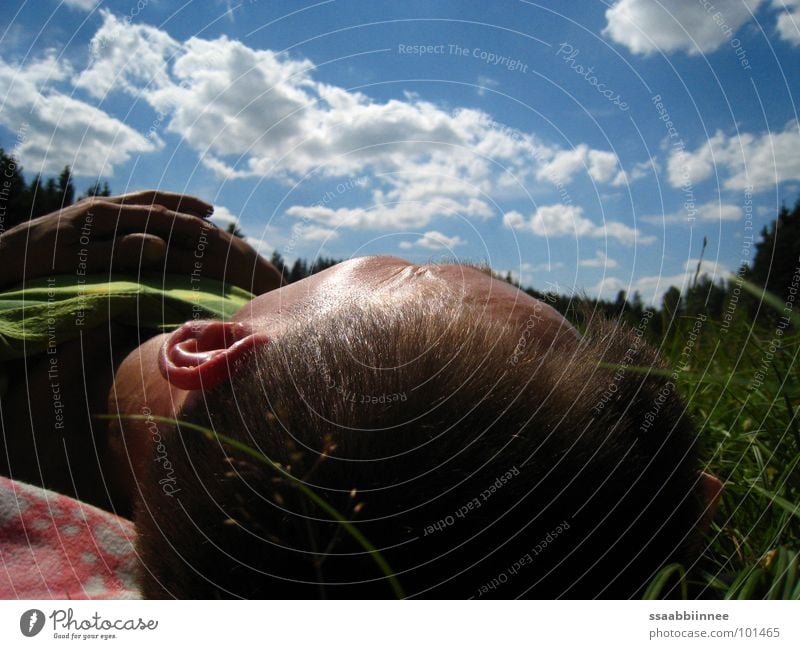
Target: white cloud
59, 130
83, 5
563, 166
789, 20
711, 211
260, 245
226, 99
602, 166
758, 160
543, 267
433, 240
568, 220
236, 101
386, 216
224, 217
311, 232
259, 113
126, 56
485, 83
514, 219
638, 171
715, 211
600, 260
645, 27
233, 100
560, 220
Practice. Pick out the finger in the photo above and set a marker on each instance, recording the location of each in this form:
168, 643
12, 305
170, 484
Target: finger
194, 245
218, 258
169, 200
127, 254
174, 227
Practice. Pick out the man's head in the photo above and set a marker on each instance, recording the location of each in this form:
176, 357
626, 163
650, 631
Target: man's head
465, 428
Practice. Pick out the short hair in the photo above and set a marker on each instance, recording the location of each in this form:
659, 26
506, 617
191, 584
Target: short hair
478, 462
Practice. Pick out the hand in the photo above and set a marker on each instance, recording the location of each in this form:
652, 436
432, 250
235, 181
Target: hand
145, 231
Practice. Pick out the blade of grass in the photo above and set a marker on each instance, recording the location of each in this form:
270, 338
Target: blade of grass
768, 298
791, 581
778, 569
663, 577
794, 510
751, 586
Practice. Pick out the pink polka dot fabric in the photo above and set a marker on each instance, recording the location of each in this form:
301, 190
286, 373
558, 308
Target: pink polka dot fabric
55, 547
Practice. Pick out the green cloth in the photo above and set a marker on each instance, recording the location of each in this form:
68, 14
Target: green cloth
49, 311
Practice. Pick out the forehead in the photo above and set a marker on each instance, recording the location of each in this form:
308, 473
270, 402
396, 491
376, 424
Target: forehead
394, 282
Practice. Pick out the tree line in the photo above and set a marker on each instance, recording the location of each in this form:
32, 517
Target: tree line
21, 201
774, 268
774, 265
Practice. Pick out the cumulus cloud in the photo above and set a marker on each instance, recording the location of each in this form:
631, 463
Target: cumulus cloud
543, 267
126, 56
382, 216
261, 245
568, 220
600, 260
262, 114
224, 217
711, 211
57, 130
484, 83
433, 240
232, 100
645, 27
602, 166
789, 20
562, 167
83, 5
760, 161
309, 232
638, 171
715, 211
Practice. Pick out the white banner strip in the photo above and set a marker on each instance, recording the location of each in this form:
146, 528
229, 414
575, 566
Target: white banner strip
388, 625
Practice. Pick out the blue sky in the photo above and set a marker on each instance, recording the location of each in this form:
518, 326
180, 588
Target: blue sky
585, 146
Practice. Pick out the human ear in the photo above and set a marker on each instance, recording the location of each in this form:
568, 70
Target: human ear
202, 354
711, 489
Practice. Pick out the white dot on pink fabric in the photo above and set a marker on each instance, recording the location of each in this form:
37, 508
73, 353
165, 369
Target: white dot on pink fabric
69, 530
95, 586
111, 541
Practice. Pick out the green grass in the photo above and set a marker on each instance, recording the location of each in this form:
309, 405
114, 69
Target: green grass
742, 388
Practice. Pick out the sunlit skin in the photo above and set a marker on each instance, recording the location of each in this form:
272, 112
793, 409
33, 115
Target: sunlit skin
166, 371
